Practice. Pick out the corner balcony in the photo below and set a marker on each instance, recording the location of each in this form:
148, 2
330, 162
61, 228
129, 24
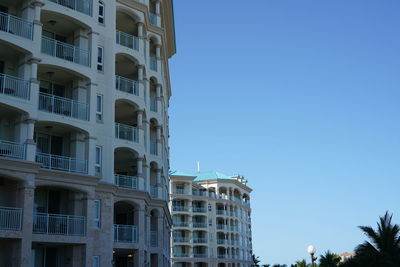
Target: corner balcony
82, 6
125, 233
10, 219
126, 181
12, 150
126, 85
154, 238
65, 51
14, 86
153, 104
127, 40
153, 19
62, 163
16, 26
63, 106
59, 224
126, 132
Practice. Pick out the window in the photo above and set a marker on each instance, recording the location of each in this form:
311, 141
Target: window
101, 12
99, 108
209, 207
96, 261
209, 222
100, 55
98, 159
96, 216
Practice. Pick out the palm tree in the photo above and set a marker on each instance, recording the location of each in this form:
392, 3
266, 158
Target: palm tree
383, 249
256, 260
302, 263
329, 260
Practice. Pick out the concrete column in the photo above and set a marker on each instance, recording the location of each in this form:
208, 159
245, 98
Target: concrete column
26, 201
159, 98
141, 36
146, 171
146, 126
159, 140
91, 154
29, 142
34, 83
37, 25
93, 43
141, 238
92, 95
158, 8
140, 72
158, 183
139, 164
139, 118
146, 91
158, 56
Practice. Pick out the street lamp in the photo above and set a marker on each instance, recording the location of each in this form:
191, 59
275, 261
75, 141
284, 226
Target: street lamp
311, 250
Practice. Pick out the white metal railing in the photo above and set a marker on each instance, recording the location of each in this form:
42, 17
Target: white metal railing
153, 148
181, 239
126, 85
65, 51
14, 86
125, 233
62, 163
222, 256
126, 132
127, 40
83, 6
221, 226
199, 225
200, 255
154, 191
179, 191
180, 224
220, 212
126, 181
153, 63
180, 208
59, 224
199, 209
63, 106
154, 238
199, 240
12, 150
153, 104
199, 193
181, 254
153, 19
222, 241
10, 218
15, 25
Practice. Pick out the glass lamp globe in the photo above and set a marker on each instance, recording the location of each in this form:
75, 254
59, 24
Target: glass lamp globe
311, 249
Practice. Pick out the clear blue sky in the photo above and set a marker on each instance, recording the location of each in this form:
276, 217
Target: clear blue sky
301, 97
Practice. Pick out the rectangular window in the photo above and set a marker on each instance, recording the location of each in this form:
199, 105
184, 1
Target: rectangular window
209, 207
210, 222
97, 213
96, 261
101, 12
99, 108
98, 159
100, 55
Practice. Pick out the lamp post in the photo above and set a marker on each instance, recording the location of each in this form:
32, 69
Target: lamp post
311, 250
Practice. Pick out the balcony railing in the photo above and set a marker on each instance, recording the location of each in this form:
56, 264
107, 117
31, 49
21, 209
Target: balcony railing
199, 193
59, 224
153, 148
179, 191
126, 181
199, 209
126, 132
222, 241
199, 225
221, 212
222, 256
181, 239
153, 63
125, 233
181, 254
15, 25
127, 40
126, 85
83, 6
153, 19
200, 255
221, 226
65, 51
154, 238
62, 163
10, 218
154, 191
200, 240
63, 106
180, 224
14, 86
180, 208
153, 104
12, 150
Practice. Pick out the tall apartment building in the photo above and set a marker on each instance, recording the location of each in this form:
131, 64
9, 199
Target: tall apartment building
211, 220
84, 93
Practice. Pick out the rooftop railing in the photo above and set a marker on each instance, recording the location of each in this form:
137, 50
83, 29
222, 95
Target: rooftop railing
16, 26
126, 132
126, 181
126, 85
12, 150
125, 233
59, 224
62, 163
83, 6
127, 40
63, 106
65, 51
10, 218
14, 86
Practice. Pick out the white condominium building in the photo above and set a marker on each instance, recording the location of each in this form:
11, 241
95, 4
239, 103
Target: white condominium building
84, 95
211, 220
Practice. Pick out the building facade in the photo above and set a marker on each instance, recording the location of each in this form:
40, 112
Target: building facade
211, 217
84, 156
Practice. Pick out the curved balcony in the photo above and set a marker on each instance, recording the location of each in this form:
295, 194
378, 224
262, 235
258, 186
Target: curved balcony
10, 218
63, 106
62, 163
16, 26
82, 6
12, 150
127, 40
126, 85
126, 181
14, 86
126, 132
125, 233
199, 225
59, 224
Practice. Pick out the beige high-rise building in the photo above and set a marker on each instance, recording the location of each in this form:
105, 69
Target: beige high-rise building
84, 157
211, 220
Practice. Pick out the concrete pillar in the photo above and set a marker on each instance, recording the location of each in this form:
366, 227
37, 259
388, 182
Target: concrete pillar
159, 140
30, 144
146, 126
141, 237
37, 25
91, 93
158, 56
146, 91
146, 178
139, 119
91, 154
34, 83
93, 43
139, 166
77, 146
141, 37
26, 202
140, 72
158, 97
